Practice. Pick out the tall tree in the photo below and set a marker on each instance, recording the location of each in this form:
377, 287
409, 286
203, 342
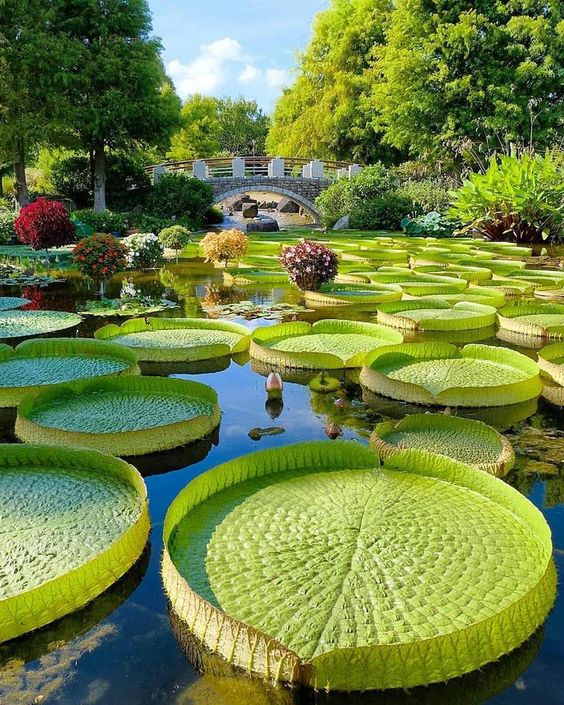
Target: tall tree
328, 112
242, 126
198, 135
117, 90
29, 70
214, 126
470, 71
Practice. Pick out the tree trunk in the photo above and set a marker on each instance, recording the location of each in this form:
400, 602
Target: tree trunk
20, 185
99, 177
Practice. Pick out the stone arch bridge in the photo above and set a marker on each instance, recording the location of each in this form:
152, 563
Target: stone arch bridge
300, 180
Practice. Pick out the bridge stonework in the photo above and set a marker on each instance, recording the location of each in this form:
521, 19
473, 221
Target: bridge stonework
301, 190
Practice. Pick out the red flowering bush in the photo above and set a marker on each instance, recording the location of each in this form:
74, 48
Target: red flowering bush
100, 256
309, 264
44, 224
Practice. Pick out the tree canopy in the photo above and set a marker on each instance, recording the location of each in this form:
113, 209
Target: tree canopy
428, 78
214, 126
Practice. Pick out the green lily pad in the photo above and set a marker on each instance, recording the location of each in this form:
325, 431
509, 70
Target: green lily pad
533, 319
177, 339
74, 521
312, 564
436, 314
26, 324
36, 365
328, 344
440, 373
10, 302
125, 416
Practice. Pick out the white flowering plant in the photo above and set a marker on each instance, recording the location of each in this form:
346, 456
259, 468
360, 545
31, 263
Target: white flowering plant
144, 251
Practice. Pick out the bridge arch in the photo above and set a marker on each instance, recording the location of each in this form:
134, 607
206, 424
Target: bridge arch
307, 204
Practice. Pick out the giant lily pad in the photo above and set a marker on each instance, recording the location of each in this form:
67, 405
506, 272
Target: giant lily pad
8, 303
74, 521
311, 564
440, 373
436, 314
533, 319
26, 324
329, 344
471, 442
126, 416
357, 295
178, 339
36, 365
255, 277
551, 362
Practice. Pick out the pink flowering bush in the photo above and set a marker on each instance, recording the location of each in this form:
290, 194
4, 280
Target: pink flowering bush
309, 264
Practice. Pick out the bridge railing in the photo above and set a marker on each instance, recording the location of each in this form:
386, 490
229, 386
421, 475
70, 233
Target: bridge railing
244, 167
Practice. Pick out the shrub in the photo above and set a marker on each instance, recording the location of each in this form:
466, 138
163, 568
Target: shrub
104, 222
349, 194
381, 213
426, 196
214, 216
127, 182
518, 198
44, 224
224, 245
180, 196
7, 229
175, 237
309, 264
100, 256
144, 251
431, 224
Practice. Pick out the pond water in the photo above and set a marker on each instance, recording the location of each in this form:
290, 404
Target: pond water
121, 649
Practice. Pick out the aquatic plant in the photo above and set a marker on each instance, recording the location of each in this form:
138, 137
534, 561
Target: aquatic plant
177, 339
26, 324
357, 295
533, 319
7, 303
309, 264
469, 441
125, 416
36, 365
86, 523
425, 526
436, 314
328, 344
441, 374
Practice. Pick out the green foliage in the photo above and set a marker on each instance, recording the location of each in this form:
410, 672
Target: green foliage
517, 198
175, 237
103, 222
7, 230
177, 195
384, 212
431, 224
214, 216
426, 195
327, 112
126, 180
459, 73
214, 126
349, 194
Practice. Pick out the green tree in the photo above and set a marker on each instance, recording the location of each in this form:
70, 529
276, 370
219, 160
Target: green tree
30, 68
470, 72
118, 93
199, 132
214, 126
327, 112
241, 123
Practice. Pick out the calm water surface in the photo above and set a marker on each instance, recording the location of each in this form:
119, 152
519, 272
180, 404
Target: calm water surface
122, 650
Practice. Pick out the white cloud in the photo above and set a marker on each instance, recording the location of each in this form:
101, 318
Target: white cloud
250, 73
218, 67
207, 72
277, 78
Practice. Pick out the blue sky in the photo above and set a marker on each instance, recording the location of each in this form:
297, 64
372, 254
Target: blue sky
222, 47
